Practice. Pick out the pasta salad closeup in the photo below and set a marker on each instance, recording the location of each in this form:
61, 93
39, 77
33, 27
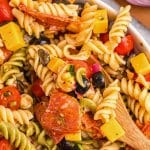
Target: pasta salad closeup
63, 67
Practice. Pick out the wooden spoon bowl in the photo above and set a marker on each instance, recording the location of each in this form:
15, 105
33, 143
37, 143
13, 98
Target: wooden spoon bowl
133, 136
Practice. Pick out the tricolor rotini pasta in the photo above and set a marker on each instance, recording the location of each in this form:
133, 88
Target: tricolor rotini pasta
17, 138
133, 89
16, 116
119, 28
64, 67
11, 67
106, 109
42, 72
86, 27
28, 23
139, 111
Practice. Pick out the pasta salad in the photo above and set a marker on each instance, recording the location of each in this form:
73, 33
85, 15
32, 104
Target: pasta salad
56, 62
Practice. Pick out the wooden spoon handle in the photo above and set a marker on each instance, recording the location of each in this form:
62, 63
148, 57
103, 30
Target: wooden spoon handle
133, 136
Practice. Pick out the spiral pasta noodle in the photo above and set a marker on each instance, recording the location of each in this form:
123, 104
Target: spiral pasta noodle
96, 46
140, 113
106, 109
42, 72
110, 58
52, 49
82, 55
11, 67
65, 80
90, 145
55, 9
87, 19
141, 79
97, 98
133, 89
47, 142
15, 116
17, 138
110, 146
28, 23
34, 130
119, 28
29, 3
113, 60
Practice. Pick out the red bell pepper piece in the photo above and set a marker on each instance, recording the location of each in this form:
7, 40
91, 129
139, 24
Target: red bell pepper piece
125, 46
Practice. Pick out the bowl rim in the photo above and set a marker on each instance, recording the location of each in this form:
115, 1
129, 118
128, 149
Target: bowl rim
140, 43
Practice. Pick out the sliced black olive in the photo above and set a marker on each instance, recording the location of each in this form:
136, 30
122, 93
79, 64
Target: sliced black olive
98, 80
81, 89
44, 57
72, 93
41, 40
20, 86
65, 145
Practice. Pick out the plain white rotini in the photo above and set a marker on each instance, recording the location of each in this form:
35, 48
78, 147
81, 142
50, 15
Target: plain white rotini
112, 59
106, 109
96, 46
110, 146
133, 89
119, 28
55, 9
82, 55
42, 72
28, 3
28, 23
141, 79
15, 116
97, 98
111, 71
140, 113
65, 80
86, 26
52, 49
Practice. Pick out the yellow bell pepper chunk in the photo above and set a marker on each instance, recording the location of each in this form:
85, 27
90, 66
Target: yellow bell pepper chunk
112, 130
73, 136
101, 22
55, 63
140, 64
12, 36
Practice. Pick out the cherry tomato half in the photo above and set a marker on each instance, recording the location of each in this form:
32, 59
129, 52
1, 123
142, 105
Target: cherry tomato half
10, 97
5, 145
36, 88
125, 46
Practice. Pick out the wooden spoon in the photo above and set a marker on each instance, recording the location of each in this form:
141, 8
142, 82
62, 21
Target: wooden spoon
133, 136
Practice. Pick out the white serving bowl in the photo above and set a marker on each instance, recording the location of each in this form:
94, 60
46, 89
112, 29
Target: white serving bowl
140, 43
